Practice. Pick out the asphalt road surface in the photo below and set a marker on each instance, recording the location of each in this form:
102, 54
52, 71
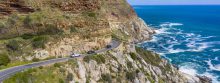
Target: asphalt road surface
114, 44
6, 73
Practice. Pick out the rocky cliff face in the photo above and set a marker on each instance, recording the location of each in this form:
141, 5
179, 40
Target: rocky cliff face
89, 25
128, 63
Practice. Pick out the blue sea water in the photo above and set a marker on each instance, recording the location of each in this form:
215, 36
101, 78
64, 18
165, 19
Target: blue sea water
187, 36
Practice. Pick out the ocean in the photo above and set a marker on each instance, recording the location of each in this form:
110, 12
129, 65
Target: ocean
187, 36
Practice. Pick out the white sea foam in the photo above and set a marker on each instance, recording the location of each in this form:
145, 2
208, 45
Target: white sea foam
188, 70
209, 37
217, 66
175, 37
192, 48
169, 24
162, 54
162, 31
198, 47
201, 47
154, 39
176, 50
216, 58
190, 34
213, 77
176, 24
215, 50
213, 67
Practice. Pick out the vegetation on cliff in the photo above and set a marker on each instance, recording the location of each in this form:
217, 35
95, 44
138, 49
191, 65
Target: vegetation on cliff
108, 67
4, 59
53, 27
27, 25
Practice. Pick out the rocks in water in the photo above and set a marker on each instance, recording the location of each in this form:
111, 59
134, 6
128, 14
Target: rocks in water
205, 79
176, 66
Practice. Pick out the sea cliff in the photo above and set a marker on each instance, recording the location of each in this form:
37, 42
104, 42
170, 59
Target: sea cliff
42, 29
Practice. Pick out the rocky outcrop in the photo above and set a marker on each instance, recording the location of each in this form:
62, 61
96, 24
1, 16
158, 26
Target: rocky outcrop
78, 6
67, 46
128, 63
205, 79
120, 65
10, 6
135, 28
94, 23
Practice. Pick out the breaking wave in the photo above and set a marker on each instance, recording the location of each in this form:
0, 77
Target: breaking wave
169, 24
188, 69
185, 49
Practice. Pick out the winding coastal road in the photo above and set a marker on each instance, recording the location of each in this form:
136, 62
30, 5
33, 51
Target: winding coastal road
6, 73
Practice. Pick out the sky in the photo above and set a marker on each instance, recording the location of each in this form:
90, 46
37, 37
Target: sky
174, 2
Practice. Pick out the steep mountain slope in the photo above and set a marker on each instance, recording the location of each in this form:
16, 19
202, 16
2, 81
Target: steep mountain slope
56, 28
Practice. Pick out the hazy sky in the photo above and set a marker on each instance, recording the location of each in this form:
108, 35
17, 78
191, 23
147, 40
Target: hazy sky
173, 2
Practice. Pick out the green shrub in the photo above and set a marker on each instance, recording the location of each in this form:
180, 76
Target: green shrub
87, 59
129, 64
51, 57
57, 65
73, 62
2, 25
62, 70
149, 56
28, 21
137, 71
153, 59
21, 77
115, 37
107, 77
73, 29
41, 67
150, 79
69, 77
119, 35
13, 45
39, 42
51, 29
12, 20
133, 56
4, 59
32, 70
98, 58
27, 36
114, 58
168, 67
35, 59
92, 14
161, 80
60, 56
87, 80
61, 81
130, 75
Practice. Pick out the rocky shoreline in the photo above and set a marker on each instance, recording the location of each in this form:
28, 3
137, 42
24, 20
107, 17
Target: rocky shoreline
80, 26
195, 79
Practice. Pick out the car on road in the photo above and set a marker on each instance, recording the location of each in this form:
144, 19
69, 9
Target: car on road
74, 55
90, 52
108, 46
